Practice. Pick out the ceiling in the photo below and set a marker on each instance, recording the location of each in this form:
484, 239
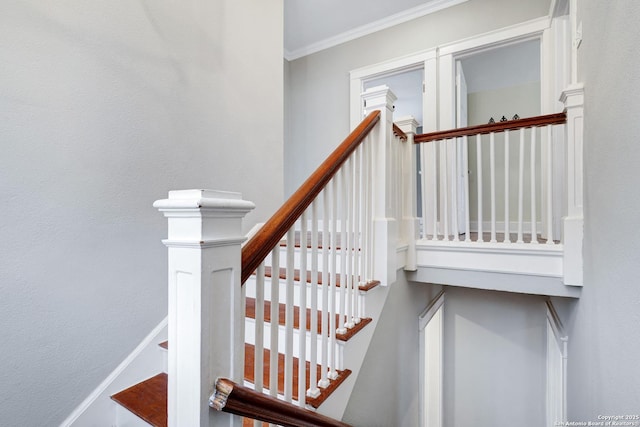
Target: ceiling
314, 25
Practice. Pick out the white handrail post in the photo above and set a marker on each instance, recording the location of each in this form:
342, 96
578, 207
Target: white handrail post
411, 225
206, 312
573, 222
385, 226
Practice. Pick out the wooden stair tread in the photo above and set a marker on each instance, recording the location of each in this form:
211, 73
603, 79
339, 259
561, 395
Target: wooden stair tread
251, 313
296, 277
249, 375
147, 400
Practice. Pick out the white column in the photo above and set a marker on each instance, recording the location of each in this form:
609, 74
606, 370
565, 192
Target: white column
206, 311
385, 227
573, 222
410, 220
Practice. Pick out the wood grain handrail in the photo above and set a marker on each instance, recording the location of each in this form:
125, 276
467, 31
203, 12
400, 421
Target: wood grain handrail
399, 132
239, 400
261, 244
549, 119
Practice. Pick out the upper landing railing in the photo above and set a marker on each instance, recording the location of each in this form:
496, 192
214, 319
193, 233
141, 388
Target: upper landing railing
492, 183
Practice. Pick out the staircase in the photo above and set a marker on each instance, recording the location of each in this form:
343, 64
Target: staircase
309, 299
147, 400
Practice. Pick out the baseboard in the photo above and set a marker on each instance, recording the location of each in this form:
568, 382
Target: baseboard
126, 374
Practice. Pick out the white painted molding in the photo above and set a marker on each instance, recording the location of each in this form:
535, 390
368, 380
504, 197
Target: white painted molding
108, 386
390, 21
431, 310
573, 223
557, 358
512, 34
424, 59
431, 372
522, 259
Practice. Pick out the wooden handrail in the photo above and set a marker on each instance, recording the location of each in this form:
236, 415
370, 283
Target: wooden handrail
260, 245
239, 400
549, 119
399, 132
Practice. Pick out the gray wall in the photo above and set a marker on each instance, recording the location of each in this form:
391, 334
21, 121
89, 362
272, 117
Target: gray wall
603, 327
319, 83
104, 107
386, 390
494, 352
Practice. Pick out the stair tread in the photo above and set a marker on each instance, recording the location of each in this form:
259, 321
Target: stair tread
147, 400
296, 277
249, 375
251, 313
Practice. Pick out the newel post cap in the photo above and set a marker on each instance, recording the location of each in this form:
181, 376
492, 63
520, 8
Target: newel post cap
378, 97
226, 203
204, 218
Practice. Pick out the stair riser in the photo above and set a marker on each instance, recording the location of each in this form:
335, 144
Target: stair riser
250, 287
309, 257
249, 333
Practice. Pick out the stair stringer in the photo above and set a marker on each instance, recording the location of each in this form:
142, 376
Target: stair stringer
337, 402
145, 361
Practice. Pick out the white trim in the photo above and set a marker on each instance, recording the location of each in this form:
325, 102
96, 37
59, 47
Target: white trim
431, 310
556, 388
398, 64
512, 34
431, 372
512, 258
387, 22
423, 59
149, 340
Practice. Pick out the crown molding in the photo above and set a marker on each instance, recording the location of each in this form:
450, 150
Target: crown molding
390, 21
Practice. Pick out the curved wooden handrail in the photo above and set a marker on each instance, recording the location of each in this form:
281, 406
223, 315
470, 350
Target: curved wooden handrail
260, 245
549, 119
239, 400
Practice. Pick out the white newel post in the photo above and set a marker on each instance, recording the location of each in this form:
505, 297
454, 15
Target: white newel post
411, 225
573, 100
385, 228
206, 312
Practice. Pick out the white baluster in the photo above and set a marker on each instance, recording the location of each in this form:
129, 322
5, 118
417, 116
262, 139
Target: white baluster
479, 177
434, 189
357, 245
258, 367
302, 318
343, 255
288, 317
423, 188
348, 246
313, 390
534, 233
326, 242
275, 315
331, 310
492, 162
507, 231
454, 195
521, 188
444, 174
467, 209
549, 186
